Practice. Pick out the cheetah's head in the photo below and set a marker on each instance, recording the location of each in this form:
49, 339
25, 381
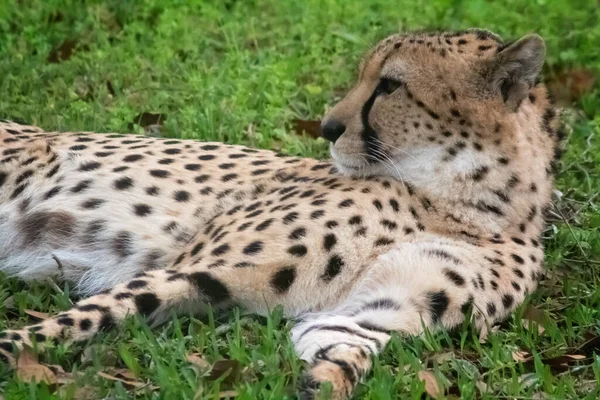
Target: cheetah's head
443, 105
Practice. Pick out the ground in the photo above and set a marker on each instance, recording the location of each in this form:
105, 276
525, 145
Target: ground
240, 72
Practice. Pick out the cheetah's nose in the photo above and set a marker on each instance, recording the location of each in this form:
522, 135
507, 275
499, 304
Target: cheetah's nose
332, 130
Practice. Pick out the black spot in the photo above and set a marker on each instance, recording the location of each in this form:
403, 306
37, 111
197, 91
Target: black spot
329, 241
291, 217
141, 210
346, 203
355, 220
209, 147
133, 158
253, 248
383, 241
123, 296
517, 258
491, 308
264, 225
159, 173
78, 147
197, 248
298, 250
206, 157
467, 306
317, 214
283, 279
123, 244
53, 171
166, 161
172, 151
201, 178
222, 249
137, 284
228, 177
181, 196
391, 225
152, 190
331, 224
146, 303
454, 276
507, 300
81, 186
297, 233
480, 173
211, 287
52, 192
92, 204
334, 267
438, 304
122, 183
65, 321
89, 166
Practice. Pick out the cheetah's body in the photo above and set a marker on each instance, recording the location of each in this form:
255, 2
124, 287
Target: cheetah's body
153, 224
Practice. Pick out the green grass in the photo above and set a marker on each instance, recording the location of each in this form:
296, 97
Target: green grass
240, 71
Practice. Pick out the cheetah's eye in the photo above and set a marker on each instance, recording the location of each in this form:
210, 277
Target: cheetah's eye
388, 86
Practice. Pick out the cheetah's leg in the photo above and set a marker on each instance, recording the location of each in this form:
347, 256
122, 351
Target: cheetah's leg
153, 295
405, 291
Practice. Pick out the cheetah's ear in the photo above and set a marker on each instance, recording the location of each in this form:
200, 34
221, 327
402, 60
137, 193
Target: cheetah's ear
516, 68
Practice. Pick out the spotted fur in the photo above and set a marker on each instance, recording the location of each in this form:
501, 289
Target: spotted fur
431, 210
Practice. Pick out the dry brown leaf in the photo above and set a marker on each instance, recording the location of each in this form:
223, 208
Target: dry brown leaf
311, 128
568, 86
431, 386
232, 368
198, 361
36, 314
534, 318
442, 358
227, 394
9, 303
521, 356
130, 384
30, 370
562, 363
63, 52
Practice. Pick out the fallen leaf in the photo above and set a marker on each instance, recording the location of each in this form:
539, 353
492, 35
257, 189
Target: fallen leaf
36, 314
482, 386
130, 384
30, 370
521, 356
534, 318
591, 345
311, 128
567, 86
63, 52
562, 363
227, 394
431, 386
198, 361
231, 368
9, 302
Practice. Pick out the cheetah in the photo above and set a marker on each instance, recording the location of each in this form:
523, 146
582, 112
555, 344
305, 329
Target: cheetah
428, 213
